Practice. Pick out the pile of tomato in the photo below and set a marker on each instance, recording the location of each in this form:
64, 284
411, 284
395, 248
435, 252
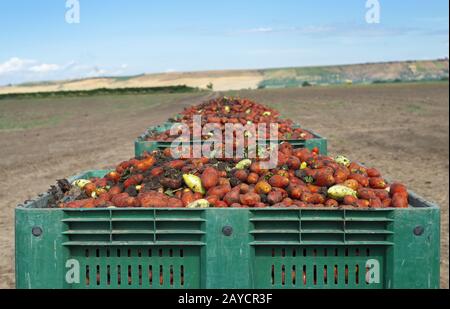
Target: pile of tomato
302, 178
226, 110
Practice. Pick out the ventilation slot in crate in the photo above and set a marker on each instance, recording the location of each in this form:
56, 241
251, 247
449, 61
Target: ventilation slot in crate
320, 227
138, 267
319, 267
134, 227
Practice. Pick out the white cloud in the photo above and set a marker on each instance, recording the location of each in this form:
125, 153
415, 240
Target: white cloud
344, 30
433, 19
96, 73
313, 29
80, 67
16, 70
44, 68
299, 30
258, 30
118, 71
86, 70
15, 65
278, 51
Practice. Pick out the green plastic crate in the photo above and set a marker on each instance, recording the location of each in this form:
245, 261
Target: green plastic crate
141, 144
226, 248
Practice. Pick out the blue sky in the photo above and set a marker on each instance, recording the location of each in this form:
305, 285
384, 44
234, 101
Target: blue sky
120, 37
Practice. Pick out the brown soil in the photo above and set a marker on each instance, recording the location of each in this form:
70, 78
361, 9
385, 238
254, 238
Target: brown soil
402, 129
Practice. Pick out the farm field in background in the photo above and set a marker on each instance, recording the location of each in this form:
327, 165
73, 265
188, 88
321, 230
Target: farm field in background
291, 77
400, 128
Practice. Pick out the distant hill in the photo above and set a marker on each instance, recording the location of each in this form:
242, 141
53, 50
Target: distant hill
403, 71
357, 73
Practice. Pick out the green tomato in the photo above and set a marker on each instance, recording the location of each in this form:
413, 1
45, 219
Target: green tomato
194, 183
338, 192
342, 160
244, 164
199, 204
81, 183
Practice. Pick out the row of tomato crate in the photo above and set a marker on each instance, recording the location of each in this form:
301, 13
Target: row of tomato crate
51, 241
226, 248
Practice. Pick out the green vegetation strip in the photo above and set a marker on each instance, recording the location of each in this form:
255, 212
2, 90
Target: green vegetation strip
102, 91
